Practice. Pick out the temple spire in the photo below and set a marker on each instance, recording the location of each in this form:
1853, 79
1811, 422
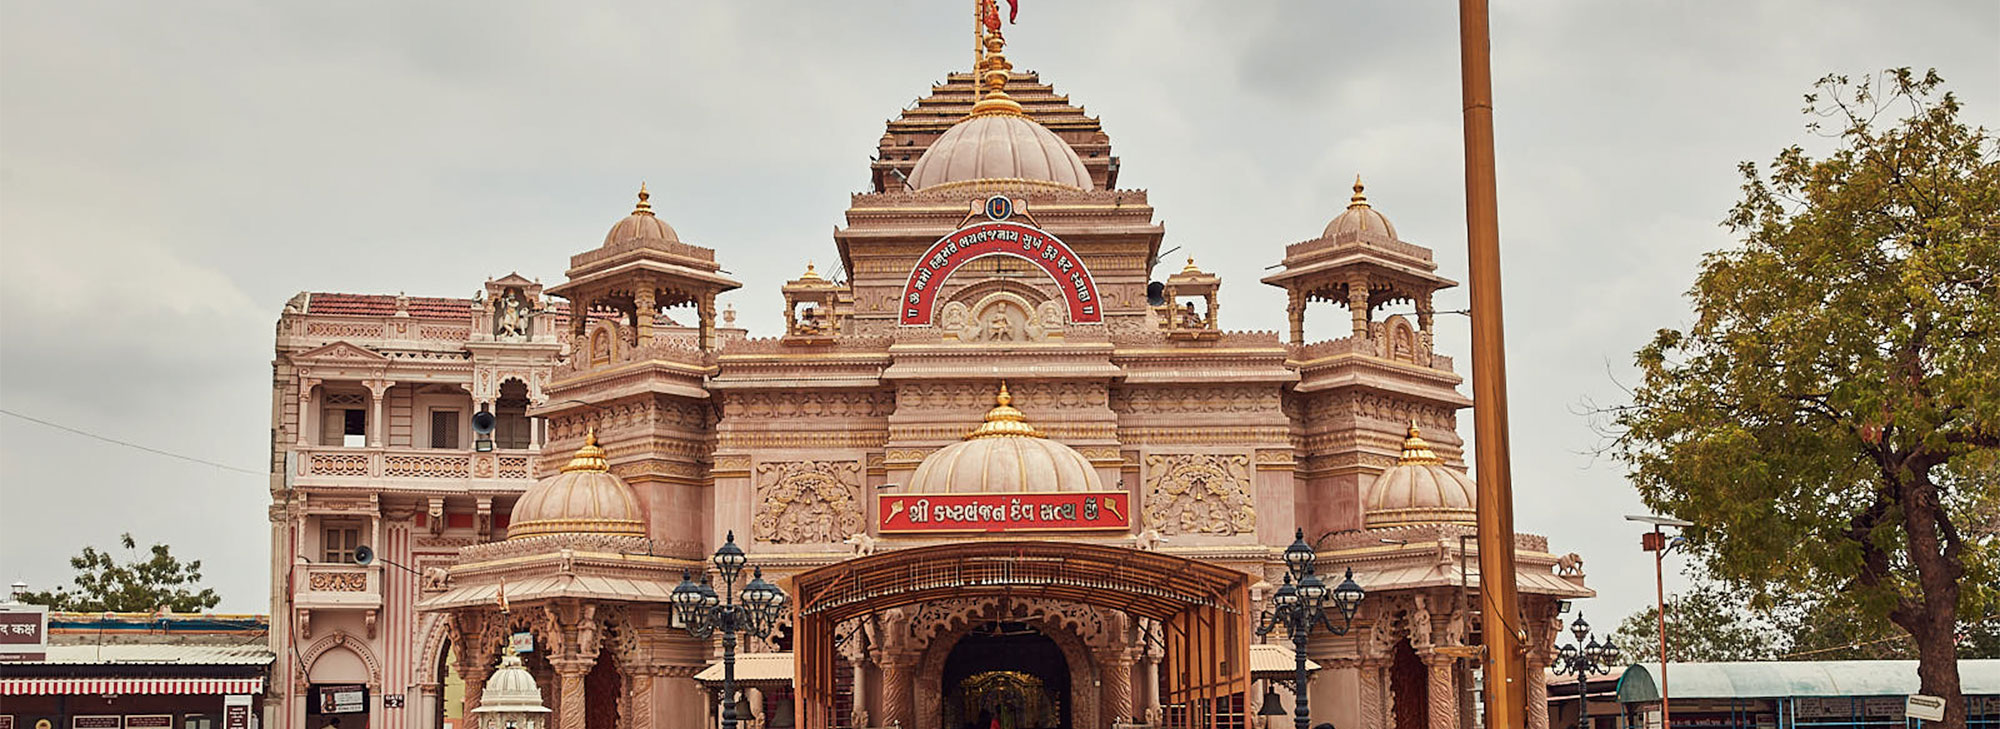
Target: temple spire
992, 68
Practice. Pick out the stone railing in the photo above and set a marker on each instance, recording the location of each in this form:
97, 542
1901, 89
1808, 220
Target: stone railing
423, 464
1304, 249
377, 331
1375, 347
339, 586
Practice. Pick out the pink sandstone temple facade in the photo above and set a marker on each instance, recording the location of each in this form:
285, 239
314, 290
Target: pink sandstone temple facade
996, 383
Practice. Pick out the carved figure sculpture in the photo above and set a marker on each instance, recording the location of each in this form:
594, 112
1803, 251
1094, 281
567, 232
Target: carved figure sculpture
807, 502
864, 544
436, 579
1199, 493
512, 315
1149, 540
1570, 564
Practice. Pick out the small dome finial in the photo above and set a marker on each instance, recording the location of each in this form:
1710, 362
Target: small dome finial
1004, 420
1359, 200
644, 207
1415, 450
810, 274
1190, 266
589, 457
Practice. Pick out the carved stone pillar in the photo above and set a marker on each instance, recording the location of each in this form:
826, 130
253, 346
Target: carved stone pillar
1295, 312
475, 684
1357, 304
899, 680
1538, 694
569, 687
1116, 670
1443, 693
643, 313
857, 657
707, 314
1374, 693
1426, 314
639, 705
306, 419
377, 421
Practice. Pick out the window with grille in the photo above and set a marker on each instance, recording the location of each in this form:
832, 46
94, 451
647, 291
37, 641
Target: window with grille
444, 429
338, 543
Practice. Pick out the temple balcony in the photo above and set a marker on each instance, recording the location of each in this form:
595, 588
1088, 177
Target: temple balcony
415, 468
338, 587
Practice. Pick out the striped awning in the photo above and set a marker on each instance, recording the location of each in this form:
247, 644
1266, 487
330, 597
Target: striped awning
204, 686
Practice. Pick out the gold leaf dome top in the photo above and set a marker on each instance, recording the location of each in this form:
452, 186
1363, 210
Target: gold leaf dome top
1420, 489
1005, 454
997, 141
584, 498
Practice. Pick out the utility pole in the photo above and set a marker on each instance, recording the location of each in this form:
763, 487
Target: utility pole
1505, 657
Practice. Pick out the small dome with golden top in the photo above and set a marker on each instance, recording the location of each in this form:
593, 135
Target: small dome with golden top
1004, 454
1420, 489
511, 689
998, 142
642, 225
584, 498
1360, 218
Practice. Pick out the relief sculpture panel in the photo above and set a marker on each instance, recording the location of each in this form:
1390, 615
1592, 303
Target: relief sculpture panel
1198, 493
808, 502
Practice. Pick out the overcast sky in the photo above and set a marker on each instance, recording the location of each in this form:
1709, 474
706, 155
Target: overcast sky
170, 173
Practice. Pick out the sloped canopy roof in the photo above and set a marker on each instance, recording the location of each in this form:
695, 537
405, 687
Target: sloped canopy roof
1778, 679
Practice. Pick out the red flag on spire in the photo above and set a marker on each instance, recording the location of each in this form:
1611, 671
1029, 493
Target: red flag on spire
1013, 10
989, 13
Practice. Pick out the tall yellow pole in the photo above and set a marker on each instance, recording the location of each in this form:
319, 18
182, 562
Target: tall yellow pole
1505, 660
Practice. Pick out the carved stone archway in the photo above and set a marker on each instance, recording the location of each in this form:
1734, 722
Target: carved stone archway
1059, 623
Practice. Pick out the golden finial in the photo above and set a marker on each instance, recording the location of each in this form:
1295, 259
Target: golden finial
1359, 200
1004, 421
993, 74
810, 274
643, 208
1190, 267
1416, 451
589, 457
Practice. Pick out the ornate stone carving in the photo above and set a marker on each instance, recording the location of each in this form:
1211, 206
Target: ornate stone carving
1197, 493
808, 502
339, 582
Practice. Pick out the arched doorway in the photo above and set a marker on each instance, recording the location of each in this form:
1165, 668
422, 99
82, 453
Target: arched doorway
1009, 673
601, 689
1202, 610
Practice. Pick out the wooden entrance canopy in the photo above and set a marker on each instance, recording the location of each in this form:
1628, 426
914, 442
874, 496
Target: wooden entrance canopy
1202, 607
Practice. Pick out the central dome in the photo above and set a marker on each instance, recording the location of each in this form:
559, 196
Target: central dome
1360, 219
642, 226
998, 142
999, 146
1005, 454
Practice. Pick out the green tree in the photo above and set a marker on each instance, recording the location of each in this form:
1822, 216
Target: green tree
1830, 418
139, 585
1705, 622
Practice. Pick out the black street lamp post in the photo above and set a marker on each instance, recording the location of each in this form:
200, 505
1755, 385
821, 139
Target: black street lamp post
1584, 659
1302, 603
704, 612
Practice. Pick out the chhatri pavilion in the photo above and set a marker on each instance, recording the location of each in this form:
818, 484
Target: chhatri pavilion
1000, 467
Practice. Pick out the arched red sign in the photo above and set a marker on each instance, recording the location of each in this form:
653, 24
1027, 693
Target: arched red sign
1001, 238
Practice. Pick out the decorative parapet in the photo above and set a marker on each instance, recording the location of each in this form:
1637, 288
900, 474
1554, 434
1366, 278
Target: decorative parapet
414, 464
336, 586
1321, 247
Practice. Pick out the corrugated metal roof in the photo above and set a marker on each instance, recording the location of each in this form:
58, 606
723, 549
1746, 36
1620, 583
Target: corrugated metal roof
1777, 679
251, 654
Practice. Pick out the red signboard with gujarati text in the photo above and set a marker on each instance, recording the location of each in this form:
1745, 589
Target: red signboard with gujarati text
1004, 512
1005, 238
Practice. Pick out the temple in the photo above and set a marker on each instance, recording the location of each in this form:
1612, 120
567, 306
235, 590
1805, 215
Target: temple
1005, 462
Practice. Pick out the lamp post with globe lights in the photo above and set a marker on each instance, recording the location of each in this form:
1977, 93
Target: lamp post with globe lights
1301, 604
1583, 660
704, 612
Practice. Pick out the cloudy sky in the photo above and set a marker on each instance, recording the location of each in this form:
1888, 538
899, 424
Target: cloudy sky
170, 173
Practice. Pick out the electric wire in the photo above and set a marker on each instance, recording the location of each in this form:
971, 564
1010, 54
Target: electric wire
128, 444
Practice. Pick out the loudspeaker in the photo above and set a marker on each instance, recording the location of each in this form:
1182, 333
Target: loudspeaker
1156, 294
363, 555
482, 423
